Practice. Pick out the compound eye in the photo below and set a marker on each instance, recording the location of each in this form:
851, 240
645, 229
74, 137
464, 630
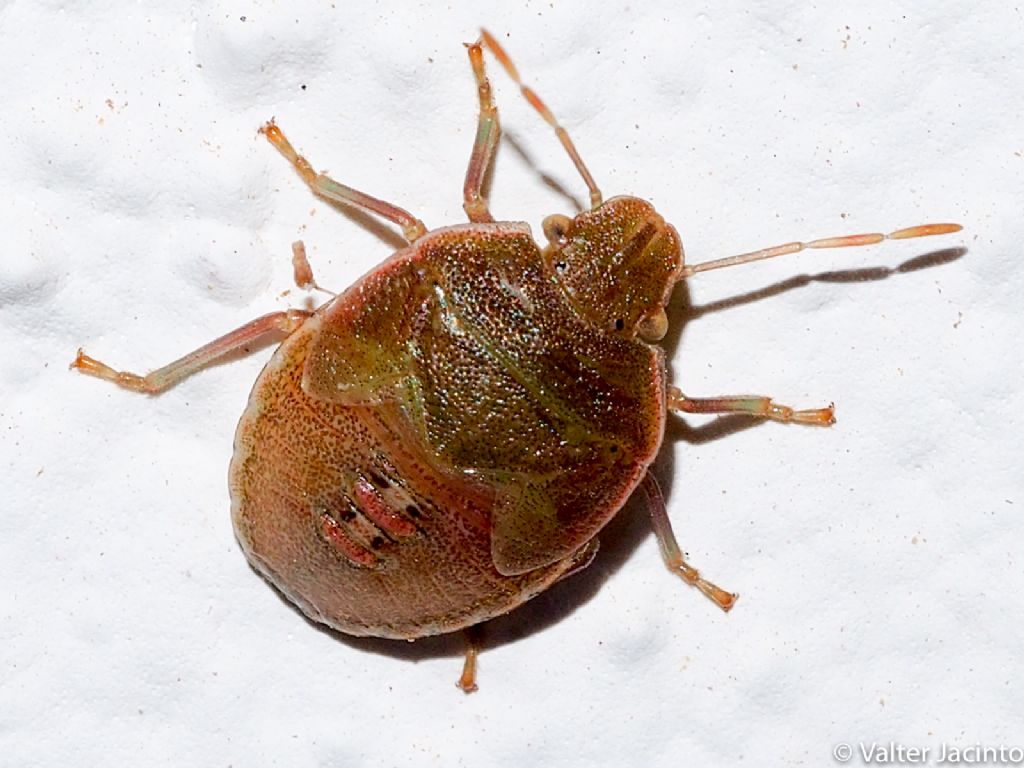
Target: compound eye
556, 229
654, 326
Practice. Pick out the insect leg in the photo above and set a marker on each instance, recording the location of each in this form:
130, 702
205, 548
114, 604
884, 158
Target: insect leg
467, 681
670, 552
302, 271
757, 406
488, 132
328, 188
157, 381
499, 53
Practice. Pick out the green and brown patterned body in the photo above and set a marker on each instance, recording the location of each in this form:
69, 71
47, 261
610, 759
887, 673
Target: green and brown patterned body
445, 439
448, 437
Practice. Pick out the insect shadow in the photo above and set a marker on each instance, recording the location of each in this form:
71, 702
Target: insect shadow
631, 526
682, 311
372, 224
509, 139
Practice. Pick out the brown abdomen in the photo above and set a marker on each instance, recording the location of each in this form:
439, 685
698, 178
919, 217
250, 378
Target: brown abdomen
354, 524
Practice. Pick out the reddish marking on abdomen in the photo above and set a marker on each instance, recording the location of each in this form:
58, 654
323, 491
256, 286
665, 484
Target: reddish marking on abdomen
353, 551
375, 508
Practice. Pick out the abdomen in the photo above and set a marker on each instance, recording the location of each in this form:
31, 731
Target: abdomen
352, 521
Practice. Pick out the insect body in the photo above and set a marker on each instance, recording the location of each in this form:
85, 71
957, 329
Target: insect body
446, 438
465, 435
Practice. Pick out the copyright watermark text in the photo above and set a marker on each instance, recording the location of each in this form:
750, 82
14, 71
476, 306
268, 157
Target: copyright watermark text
893, 753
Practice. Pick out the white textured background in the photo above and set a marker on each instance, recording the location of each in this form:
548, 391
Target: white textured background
879, 561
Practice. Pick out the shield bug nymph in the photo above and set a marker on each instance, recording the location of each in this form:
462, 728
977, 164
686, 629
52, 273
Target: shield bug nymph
447, 438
